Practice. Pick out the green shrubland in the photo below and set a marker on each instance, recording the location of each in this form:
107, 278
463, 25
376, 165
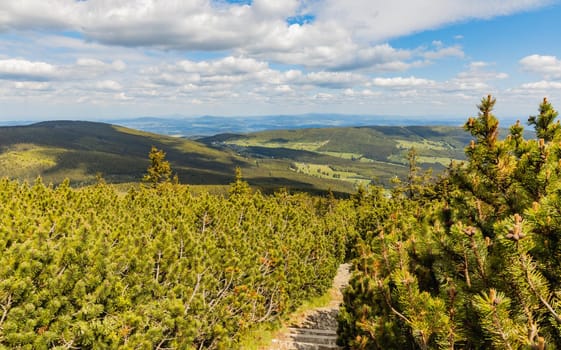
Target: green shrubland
466, 259
158, 267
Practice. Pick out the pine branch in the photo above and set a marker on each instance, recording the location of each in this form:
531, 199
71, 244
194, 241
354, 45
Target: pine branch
528, 269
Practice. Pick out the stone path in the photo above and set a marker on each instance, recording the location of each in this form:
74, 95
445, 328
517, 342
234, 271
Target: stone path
316, 329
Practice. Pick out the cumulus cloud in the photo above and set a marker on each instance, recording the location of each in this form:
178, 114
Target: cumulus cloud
227, 72
441, 52
333, 80
275, 8
289, 52
542, 85
478, 72
380, 20
224, 71
260, 28
94, 63
32, 85
361, 93
109, 85
400, 82
185, 24
226, 66
547, 66
20, 69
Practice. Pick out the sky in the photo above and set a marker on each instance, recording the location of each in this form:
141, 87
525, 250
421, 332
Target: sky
100, 59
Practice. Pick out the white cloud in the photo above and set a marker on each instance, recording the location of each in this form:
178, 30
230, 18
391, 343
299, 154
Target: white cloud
400, 82
89, 62
94, 63
380, 20
168, 53
28, 14
226, 71
275, 8
119, 65
109, 85
547, 66
340, 37
441, 52
361, 93
226, 66
20, 69
122, 97
477, 65
284, 89
478, 72
542, 85
180, 24
17, 69
322, 96
32, 85
334, 80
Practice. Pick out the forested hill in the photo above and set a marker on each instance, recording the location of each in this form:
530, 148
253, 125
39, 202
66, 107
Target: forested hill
434, 144
353, 154
310, 160
78, 150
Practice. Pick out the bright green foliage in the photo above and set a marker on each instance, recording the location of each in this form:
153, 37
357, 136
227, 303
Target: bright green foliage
239, 187
544, 122
473, 261
156, 268
159, 170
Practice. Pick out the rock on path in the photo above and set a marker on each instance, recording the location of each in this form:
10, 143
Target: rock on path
317, 328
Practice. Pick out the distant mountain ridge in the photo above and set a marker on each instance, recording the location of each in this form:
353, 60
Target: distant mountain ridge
195, 127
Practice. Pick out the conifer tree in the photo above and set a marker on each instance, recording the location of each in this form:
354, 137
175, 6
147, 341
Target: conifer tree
478, 267
544, 122
239, 187
159, 170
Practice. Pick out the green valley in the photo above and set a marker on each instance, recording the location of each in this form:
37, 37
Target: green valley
312, 160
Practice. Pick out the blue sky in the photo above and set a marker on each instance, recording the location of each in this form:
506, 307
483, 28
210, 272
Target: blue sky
100, 59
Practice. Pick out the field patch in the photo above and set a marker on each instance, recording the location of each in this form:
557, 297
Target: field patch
277, 143
344, 155
424, 145
329, 172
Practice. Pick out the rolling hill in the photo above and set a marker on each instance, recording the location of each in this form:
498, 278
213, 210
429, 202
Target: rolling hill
311, 160
351, 154
78, 150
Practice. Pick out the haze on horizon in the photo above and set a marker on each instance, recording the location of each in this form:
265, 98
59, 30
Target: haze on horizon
100, 59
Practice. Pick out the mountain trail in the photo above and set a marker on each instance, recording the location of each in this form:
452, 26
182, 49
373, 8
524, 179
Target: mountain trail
315, 329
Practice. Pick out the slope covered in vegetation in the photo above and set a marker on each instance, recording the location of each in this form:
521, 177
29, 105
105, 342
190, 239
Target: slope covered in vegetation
471, 261
356, 155
80, 151
157, 267
468, 260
